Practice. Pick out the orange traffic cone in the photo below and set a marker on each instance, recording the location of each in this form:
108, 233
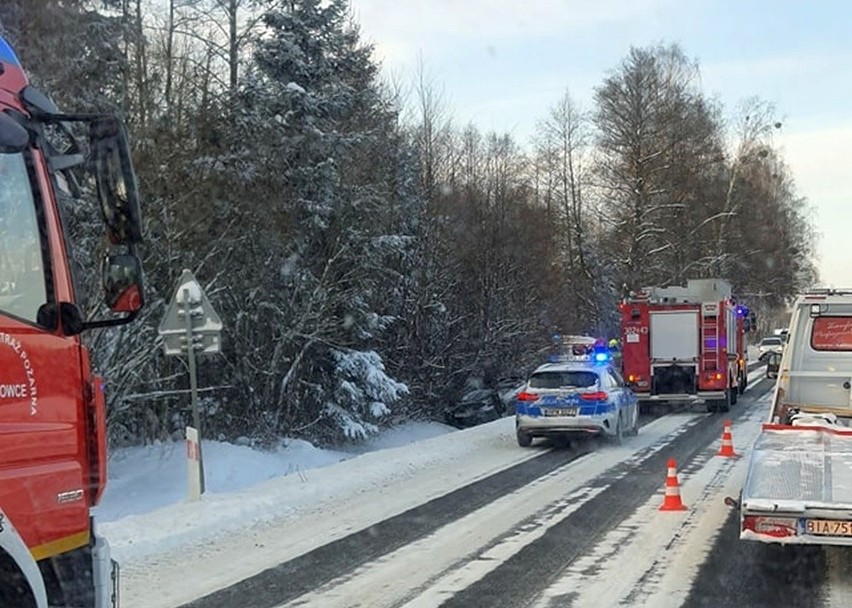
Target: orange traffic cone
727, 447
672, 500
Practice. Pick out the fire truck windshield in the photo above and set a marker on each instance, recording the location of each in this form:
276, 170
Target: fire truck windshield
22, 285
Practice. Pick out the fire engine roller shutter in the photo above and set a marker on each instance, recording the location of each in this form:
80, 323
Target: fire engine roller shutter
674, 335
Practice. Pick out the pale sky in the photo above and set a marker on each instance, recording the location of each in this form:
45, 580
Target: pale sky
504, 63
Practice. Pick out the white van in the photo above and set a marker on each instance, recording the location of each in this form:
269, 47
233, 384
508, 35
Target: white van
815, 375
798, 485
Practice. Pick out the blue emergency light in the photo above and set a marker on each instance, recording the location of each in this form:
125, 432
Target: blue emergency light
601, 354
7, 55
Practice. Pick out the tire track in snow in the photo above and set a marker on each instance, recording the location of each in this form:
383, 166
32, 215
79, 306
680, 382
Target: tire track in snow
521, 578
839, 577
577, 480
755, 574
679, 542
324, 576
286, 582
617, 571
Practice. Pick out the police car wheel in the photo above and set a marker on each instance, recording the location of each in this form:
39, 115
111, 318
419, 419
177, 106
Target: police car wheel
524, 439
634, 430
618, 436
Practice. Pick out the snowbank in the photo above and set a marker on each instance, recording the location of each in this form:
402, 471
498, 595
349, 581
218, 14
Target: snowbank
143, 479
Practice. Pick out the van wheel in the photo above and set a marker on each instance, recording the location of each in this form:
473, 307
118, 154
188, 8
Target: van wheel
524, 439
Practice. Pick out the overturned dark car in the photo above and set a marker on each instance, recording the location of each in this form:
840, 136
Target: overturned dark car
475, 407
481, 405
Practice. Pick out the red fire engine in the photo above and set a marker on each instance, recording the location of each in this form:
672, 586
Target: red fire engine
685, 343
52, 412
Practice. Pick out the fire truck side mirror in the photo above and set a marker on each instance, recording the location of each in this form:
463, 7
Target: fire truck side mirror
117, 188
13, 137
122, 283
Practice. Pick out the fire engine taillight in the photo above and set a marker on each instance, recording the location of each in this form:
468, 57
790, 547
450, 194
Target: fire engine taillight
718, 376
632, 378
525, 396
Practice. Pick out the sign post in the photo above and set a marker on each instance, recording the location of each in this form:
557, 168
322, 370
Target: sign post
191, 327
193, 460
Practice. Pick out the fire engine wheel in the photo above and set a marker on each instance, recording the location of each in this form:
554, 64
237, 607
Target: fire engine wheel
734, 392
14, 589
725, 404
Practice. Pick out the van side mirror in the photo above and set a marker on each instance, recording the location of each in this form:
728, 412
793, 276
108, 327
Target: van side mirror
117, 188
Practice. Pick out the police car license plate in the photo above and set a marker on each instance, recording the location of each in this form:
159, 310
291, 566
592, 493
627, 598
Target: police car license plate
828, 527
565, 411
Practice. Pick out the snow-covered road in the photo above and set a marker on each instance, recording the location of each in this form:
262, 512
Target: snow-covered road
469, 519
465, 550
277, 520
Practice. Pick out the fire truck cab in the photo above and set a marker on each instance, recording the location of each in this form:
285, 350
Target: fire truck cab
685, 343
52, 404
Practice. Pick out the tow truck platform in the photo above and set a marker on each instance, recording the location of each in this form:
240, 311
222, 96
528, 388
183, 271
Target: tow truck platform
798, 488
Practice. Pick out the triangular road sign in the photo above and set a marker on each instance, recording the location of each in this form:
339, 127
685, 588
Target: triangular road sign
206, 324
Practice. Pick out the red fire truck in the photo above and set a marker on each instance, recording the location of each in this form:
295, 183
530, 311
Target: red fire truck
685, 343
52, 412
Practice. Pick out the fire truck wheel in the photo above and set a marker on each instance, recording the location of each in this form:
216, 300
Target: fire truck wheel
14, 589
725, 404
734, 395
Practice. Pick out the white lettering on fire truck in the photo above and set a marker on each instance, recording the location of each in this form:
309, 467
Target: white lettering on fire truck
20, 390
13, 391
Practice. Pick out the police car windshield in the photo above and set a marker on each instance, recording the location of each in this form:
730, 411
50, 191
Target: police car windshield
563, 379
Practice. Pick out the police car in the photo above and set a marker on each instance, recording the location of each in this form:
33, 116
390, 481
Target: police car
576, 396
